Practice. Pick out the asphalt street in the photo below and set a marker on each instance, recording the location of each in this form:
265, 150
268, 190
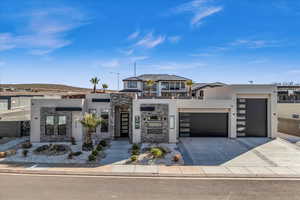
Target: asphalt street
31, 187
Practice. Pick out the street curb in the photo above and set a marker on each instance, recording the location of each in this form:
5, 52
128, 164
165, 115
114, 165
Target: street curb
141, 175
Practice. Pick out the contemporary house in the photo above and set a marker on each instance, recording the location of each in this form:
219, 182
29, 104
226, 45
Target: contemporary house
165, 85
222, 111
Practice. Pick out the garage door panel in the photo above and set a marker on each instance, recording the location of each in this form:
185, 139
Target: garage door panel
204, 124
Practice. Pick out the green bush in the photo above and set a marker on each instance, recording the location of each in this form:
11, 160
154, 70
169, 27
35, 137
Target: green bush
92, 157
103, 143
135, 147
99, 147
135, 152
26, 145
157, 152
70, 156
42, 148
77, 153
87, 146
25, 152
95, 152
134, 158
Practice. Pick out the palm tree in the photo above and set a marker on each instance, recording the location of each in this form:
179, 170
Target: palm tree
90, 122
149, 84
104, 86
189, 83
95, 82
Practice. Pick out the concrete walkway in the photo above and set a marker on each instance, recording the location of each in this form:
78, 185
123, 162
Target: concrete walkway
117, 153
154, 170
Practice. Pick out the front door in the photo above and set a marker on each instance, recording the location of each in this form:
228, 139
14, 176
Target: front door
124, 125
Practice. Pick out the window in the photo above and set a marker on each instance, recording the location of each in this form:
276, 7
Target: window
132, 84
165, 86
172, 86
177, 86
182, 85
104, 125
62, 125
49, 129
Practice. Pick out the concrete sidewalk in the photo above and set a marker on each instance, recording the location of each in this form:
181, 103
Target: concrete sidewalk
153, 170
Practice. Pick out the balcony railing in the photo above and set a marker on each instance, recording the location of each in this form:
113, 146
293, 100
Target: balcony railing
168, 97
289, 101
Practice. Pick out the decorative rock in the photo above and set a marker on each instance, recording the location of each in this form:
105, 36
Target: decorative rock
2, 154
11, 152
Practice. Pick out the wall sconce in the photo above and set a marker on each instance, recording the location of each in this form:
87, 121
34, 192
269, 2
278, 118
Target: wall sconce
172, 121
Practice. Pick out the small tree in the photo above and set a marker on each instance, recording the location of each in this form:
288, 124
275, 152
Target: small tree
90, 122
189, 83
104, 86
149, 84
95, 81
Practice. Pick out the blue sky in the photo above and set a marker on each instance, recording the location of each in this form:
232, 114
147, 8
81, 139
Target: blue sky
70, 41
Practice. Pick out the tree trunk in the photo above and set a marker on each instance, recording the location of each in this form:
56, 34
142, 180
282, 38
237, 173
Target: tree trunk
88, 138
94, 88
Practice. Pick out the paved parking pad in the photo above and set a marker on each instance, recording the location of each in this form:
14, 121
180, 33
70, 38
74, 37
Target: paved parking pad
241, 152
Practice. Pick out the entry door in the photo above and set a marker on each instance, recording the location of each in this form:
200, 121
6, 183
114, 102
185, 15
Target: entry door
256, 117
124, 129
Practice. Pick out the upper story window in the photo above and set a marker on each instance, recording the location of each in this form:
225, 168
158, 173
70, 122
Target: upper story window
132, 84
165, 86
153, 88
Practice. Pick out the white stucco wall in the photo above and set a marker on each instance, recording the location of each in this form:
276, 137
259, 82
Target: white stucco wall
286, 110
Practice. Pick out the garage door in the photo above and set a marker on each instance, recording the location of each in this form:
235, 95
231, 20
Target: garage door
203, 124
252, 117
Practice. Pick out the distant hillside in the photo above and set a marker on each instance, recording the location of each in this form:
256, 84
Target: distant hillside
45, 87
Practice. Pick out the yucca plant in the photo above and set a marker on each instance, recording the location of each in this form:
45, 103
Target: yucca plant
95, 81
90, 122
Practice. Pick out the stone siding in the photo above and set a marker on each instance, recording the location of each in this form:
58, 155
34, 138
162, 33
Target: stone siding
118, 101
46, 111
161, 133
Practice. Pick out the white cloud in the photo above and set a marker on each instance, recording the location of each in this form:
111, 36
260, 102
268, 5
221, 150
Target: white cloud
174, 39
108, 63
150, 41
200, 9
46, 31
294, 71
134, 35
254, 43
201, 54
127, 52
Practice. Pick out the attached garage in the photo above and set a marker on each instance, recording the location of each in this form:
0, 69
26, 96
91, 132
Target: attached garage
252, 117
203, 124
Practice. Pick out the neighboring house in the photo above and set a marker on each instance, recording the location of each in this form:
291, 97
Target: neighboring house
15, 114
223, 111
164, 85
289, 109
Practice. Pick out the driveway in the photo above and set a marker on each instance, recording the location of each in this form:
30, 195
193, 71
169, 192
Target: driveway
241, 152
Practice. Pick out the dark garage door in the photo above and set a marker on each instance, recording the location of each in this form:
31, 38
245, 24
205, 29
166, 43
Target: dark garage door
203, 124
252, 117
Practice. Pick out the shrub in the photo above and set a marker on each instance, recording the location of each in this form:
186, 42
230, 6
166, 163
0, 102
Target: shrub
77, 153
99, 147
42, 148
176, 158
92, 157
95, 152
26, 145
103, 143
134, 158
87, 146
25, 152
156, 152
58, 148
10, 152
73, 141
70, 156
135, 147
135, 152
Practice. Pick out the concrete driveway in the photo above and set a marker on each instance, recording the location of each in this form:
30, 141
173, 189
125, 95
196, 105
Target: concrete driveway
241, 152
